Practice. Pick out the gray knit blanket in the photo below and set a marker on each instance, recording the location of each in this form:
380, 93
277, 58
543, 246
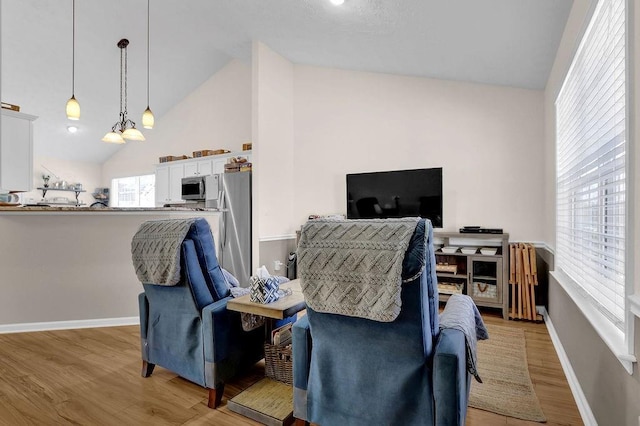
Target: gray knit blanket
353, 267
461, 313
155, 250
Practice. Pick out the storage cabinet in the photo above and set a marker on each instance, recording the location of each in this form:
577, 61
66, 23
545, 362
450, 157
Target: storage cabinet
169, 184
461, 267
16, 151
199, 168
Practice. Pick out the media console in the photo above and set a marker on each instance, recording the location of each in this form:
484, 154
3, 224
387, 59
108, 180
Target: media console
466, 264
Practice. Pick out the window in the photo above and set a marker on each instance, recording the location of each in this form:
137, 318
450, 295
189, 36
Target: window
591, 164
134, 191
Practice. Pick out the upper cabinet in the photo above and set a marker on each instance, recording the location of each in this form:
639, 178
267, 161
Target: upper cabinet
16, 151
169, 175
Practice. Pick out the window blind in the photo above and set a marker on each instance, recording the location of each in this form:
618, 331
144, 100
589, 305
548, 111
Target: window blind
591, 154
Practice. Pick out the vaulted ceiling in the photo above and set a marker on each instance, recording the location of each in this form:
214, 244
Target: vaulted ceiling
501, 42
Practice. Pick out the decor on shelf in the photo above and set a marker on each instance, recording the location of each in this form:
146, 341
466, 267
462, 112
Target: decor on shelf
147, 116
125, 128
73, 107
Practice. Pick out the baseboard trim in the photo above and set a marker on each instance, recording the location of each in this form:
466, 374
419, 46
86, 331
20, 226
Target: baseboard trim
67, 325
576, 389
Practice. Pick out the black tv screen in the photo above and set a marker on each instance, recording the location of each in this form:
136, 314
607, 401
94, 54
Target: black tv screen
400, 193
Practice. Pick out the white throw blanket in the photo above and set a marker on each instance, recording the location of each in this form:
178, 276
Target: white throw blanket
155, 250
353, 267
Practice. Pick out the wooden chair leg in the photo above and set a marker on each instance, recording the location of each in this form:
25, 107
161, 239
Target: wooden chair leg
300, 422
147, 368
215, 396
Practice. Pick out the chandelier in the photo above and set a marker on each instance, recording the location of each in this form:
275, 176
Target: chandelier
124, 128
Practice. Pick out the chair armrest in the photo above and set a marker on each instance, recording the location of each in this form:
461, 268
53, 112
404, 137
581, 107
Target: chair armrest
301, 364
143, 307
216, 329
451, 382
301, 352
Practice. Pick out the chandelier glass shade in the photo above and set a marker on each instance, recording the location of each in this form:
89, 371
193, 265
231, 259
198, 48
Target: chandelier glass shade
73, 109
147, 119
124, 128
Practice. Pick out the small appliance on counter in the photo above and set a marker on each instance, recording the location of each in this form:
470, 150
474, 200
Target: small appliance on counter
101, 195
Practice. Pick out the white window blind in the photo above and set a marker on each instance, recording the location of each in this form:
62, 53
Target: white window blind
591, 155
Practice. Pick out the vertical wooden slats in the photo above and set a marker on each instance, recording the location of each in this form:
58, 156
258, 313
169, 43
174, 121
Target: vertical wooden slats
523, 277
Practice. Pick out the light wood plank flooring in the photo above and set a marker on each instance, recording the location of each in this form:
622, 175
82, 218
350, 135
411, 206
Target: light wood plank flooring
92, 377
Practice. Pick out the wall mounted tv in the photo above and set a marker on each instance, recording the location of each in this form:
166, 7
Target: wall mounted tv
400, 193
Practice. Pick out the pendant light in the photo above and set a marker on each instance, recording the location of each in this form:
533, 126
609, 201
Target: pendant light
147, 116
125, 128
73, 107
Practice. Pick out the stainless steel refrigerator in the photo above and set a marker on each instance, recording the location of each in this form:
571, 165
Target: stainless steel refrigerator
235, 225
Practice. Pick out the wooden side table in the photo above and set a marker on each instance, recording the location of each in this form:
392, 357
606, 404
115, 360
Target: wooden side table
268, 401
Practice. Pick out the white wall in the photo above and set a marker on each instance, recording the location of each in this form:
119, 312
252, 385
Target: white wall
489, 141
217, 115
273, 152
87, 173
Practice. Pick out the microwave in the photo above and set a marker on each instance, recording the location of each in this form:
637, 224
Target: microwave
202, 188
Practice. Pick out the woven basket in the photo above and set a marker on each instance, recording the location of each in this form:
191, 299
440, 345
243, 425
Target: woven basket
278, 363
485, 290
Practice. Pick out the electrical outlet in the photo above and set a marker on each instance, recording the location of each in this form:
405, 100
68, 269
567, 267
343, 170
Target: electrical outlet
277, 265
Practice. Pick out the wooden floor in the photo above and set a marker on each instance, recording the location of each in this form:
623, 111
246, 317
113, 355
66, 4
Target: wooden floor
92, 377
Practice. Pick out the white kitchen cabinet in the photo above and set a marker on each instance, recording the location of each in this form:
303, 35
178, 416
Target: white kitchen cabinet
202, 167
169, 184
16, 151
162, 185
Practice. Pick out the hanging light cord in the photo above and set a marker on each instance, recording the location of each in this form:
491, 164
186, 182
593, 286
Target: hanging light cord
125, 81
148, 20
73, 50
122, 114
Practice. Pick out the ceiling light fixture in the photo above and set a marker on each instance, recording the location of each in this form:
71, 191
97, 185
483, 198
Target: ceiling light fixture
336, 2
73, 107
72, 129
125, 128
147, 115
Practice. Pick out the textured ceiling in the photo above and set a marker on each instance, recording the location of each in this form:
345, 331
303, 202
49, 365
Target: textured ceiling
502, 42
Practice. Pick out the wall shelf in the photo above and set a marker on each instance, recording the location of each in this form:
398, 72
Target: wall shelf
76, 191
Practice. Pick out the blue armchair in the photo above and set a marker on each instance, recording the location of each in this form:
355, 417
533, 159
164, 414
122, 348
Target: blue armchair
357, 371
186, 328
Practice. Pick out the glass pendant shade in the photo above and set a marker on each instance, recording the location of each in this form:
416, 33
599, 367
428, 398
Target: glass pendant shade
113, 137
147, 119
133, 134
73, 109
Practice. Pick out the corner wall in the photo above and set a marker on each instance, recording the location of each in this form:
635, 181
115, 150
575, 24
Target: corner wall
273, 156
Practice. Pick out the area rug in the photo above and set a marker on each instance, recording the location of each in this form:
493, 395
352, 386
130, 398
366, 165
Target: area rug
506, 386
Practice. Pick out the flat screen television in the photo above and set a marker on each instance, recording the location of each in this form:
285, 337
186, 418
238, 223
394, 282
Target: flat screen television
400, 193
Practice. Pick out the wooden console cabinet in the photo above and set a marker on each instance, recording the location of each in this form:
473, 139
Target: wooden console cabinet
467, 270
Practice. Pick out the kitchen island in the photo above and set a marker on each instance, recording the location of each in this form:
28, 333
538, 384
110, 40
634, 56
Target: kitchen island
69, 267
